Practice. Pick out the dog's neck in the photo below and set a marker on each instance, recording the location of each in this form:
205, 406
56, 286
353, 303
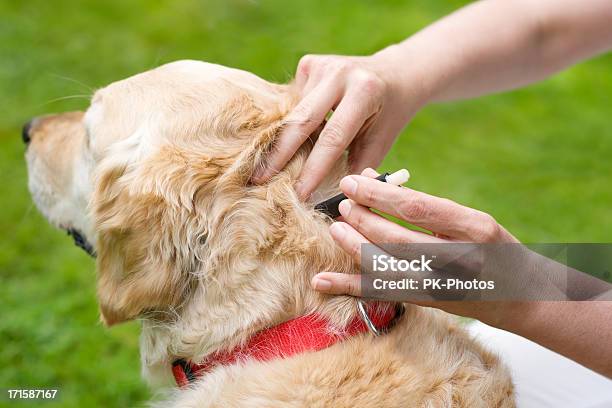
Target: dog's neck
266, 283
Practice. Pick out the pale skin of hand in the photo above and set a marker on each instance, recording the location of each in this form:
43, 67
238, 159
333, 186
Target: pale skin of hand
368, 113
486, 47
587, 340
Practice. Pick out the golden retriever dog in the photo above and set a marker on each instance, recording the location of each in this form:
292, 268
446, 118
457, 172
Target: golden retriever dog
154, 179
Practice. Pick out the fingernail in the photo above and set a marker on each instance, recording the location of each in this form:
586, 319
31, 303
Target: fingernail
345, 208
348, 185
337, 231
320, 284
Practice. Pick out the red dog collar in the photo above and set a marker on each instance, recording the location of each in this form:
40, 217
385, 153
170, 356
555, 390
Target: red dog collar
305, 333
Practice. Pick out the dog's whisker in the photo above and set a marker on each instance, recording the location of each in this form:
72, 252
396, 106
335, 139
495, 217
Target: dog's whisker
61, 98
25, 215
76, 81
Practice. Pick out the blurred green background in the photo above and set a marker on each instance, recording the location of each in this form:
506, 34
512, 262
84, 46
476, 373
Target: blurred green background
538, 159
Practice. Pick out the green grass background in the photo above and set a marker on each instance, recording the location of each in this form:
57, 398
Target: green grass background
538, 159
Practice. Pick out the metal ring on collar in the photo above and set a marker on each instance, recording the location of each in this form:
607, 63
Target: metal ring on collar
361, 308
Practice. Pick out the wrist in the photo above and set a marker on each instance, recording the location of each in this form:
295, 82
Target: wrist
406, 69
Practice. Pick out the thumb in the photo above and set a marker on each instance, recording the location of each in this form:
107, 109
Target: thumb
334, 283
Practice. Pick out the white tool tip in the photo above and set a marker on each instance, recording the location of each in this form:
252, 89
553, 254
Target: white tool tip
399, 177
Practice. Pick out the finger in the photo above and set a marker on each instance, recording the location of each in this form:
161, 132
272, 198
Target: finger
368, 151
369, 172
339, 131
309, 72
314, 79
303, 120
378, 229
403, 242
337, 283
436, 214
302, 73
348, 239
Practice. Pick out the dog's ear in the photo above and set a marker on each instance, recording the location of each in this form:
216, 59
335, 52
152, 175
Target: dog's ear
126, 288
253, 156
151, 217
150, 234
255, 125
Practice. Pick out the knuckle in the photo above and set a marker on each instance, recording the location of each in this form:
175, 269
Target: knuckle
332, 136
343, 63
301, 113
355, 249
369, 82
351, 286
305, 63
340, 66
306, 59
395, 237
358, 219
488, 228
301, 119
303, 129
412, 209
366, 193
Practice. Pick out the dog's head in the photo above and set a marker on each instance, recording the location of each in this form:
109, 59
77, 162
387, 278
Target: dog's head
154, 177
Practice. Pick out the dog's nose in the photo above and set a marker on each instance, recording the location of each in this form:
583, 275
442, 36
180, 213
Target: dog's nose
25, 132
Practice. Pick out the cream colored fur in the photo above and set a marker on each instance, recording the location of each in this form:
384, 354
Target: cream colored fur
158, 177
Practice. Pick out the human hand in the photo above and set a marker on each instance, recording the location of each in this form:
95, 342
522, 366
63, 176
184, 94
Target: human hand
370, 107
448, 221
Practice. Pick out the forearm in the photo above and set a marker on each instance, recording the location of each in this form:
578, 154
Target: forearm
581, 331
494, 45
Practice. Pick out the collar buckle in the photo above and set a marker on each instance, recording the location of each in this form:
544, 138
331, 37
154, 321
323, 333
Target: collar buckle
365, 317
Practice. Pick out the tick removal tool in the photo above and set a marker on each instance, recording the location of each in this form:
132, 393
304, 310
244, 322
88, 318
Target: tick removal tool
330, 206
